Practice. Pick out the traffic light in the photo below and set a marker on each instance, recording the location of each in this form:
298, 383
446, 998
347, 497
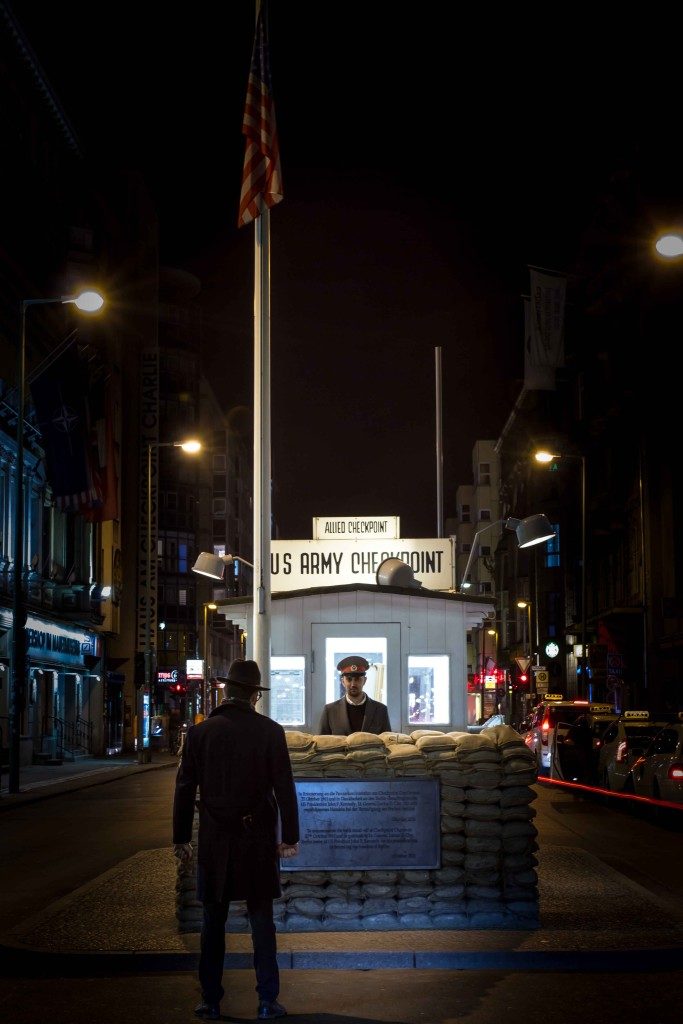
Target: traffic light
521, 680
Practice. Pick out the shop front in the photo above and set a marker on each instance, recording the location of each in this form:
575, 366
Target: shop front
63, 708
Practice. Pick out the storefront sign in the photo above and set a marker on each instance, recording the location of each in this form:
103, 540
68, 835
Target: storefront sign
302, 564
358, 825
50, 643
353, 527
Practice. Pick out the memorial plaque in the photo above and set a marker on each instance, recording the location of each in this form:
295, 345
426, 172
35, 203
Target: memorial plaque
353, 825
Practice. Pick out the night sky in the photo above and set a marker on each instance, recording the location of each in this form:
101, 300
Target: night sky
429, 155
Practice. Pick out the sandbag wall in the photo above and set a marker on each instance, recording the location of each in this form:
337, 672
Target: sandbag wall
487, 877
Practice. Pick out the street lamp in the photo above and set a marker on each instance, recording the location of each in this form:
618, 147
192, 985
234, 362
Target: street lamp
214, 565
88, 302
190, 446
669, 246
526, 605
530, 531
208, 605
545, 457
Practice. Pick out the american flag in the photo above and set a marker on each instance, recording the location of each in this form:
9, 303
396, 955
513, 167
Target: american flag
261, 177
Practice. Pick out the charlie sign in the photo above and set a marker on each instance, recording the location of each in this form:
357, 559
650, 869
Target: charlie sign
302, 564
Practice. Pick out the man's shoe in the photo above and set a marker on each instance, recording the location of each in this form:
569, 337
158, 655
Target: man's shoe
208, 1011
269, 1011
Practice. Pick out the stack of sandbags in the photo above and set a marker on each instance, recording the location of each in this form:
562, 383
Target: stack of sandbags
302, 749
405, 759
330, 754
369, 752
487, 877
436, 746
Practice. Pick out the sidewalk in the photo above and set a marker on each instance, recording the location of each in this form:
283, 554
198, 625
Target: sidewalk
592, 917
38, 781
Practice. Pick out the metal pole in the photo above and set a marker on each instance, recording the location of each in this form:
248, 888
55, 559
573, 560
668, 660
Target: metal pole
143, 755
205, 690
18, 607
583, 661
262, 496
439, 446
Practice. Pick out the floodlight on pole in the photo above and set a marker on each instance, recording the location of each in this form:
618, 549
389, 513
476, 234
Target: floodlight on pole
86, 302
535, 529
213, 566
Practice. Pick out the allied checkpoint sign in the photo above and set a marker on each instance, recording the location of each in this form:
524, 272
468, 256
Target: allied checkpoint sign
360, 825
303, 564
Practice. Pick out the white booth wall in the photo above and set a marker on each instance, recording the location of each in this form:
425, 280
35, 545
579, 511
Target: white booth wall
412, 623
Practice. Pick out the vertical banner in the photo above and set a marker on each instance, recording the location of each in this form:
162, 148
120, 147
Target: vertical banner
544, 330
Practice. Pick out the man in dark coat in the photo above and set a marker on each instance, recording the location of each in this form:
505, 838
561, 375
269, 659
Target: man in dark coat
239, 761
355, 711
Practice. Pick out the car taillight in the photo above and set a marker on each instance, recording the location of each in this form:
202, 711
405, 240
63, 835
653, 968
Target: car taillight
545, 728
622, 751
675, 773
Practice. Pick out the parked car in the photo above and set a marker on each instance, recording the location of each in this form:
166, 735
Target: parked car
552, 718
623, 742
658, 773
575, 752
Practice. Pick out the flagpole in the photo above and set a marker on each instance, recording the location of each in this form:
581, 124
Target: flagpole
262, 458
261, 189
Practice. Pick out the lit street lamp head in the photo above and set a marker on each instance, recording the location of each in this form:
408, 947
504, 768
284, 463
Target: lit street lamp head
88, 301
670, 246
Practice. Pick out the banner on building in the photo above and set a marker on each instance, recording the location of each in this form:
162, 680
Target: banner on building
544, 329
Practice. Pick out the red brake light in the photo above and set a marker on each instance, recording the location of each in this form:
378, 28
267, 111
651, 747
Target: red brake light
675, 773
545, 726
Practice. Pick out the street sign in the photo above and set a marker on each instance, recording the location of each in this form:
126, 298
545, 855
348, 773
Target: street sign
542, 681
523, 663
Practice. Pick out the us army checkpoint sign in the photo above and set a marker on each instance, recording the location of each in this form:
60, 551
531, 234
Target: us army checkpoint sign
303, 564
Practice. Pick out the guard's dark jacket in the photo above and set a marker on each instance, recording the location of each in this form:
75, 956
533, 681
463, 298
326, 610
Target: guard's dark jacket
334, 720
238, 759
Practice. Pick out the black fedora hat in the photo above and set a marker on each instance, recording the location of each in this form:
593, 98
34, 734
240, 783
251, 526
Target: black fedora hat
244, 673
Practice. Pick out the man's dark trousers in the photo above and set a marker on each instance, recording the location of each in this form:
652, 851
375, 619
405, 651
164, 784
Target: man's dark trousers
260, 912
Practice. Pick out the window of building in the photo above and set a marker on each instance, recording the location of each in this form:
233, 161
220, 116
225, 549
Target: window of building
182, 557
484, 549
465, 548
287, 690
485, 515
552, 549
219, 507
428, 689
219, 464
484, 473
465, 514
485, 587
182, 597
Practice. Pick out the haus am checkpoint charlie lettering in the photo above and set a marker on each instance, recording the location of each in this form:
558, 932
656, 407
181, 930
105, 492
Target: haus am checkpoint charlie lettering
355, 556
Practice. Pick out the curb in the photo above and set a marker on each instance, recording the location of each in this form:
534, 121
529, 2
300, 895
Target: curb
44, 791
17, 962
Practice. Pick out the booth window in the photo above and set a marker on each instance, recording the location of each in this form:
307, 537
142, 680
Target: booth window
287, 682
428, 689
372, 648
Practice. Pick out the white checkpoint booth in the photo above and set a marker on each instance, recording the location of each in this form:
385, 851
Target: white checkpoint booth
415, 640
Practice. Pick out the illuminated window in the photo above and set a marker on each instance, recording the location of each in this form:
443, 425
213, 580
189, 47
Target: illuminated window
552, 549
287, 693
428, 689
372, 648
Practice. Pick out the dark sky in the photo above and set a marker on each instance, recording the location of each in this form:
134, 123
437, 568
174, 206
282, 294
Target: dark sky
429, 155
